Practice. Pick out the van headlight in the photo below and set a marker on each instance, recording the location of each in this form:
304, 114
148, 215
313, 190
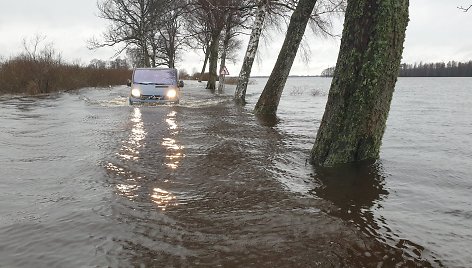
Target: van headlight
171, 93
136, 93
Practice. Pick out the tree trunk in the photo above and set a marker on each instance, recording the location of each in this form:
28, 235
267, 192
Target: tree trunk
171, 57
207, 54
153, 57
145, 56
364, 80
172, 49
213, 61
223, 54
270, 97
245, 73
222, 65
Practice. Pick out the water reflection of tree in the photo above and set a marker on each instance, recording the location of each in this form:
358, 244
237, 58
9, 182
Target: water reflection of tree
357, 191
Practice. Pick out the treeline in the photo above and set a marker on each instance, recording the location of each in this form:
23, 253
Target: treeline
184, 75
328, 72
438, 69
45, 72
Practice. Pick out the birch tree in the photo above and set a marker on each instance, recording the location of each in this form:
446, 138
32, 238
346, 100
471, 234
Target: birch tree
250, 55
320, 21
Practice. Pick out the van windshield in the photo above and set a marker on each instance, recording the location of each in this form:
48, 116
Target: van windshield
155, 76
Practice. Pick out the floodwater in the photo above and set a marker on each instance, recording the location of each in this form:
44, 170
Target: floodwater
88, 181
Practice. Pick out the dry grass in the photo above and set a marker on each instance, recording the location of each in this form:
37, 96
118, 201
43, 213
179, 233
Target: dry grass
299, 90
296, 91
25, 75
317, 92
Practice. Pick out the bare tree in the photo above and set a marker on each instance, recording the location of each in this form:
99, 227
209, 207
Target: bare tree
214, 13
130, 23
169, 39
31, 46
150, 30
200, 34
219, 16
235, 19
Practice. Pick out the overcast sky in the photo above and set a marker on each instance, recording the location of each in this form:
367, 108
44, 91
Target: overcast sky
437, 31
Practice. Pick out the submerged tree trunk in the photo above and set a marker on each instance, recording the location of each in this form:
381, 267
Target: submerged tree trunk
207, 54
270, 97
245, 73
213, 61
364, 80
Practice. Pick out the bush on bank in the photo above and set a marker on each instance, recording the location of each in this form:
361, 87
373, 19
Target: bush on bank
25, 74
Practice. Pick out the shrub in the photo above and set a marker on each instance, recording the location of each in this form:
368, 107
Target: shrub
296, 91
316, 92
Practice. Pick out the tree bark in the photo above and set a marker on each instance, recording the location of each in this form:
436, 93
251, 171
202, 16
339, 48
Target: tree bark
364, 80
207, 54
223, 54
270, 97
245, 73
213, 61
146, 57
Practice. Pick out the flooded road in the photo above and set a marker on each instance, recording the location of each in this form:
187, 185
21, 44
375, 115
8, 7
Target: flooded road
88, 181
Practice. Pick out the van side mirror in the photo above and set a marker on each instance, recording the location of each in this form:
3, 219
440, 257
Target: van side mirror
180, 84
128, 83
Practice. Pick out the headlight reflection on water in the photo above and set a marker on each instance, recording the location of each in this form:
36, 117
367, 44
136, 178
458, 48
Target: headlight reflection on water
127, 189
163, 198
174, 154
174, 150
130, 149
134, 187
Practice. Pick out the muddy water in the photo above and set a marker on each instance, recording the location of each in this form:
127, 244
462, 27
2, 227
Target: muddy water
88, 181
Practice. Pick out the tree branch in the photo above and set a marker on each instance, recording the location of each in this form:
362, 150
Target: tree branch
465, 9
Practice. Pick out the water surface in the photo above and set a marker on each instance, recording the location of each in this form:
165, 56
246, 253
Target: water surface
89, 181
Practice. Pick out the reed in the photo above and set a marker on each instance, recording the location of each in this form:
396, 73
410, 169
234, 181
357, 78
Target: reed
28, 75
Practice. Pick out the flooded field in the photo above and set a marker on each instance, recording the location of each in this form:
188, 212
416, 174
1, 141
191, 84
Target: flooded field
89, 181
